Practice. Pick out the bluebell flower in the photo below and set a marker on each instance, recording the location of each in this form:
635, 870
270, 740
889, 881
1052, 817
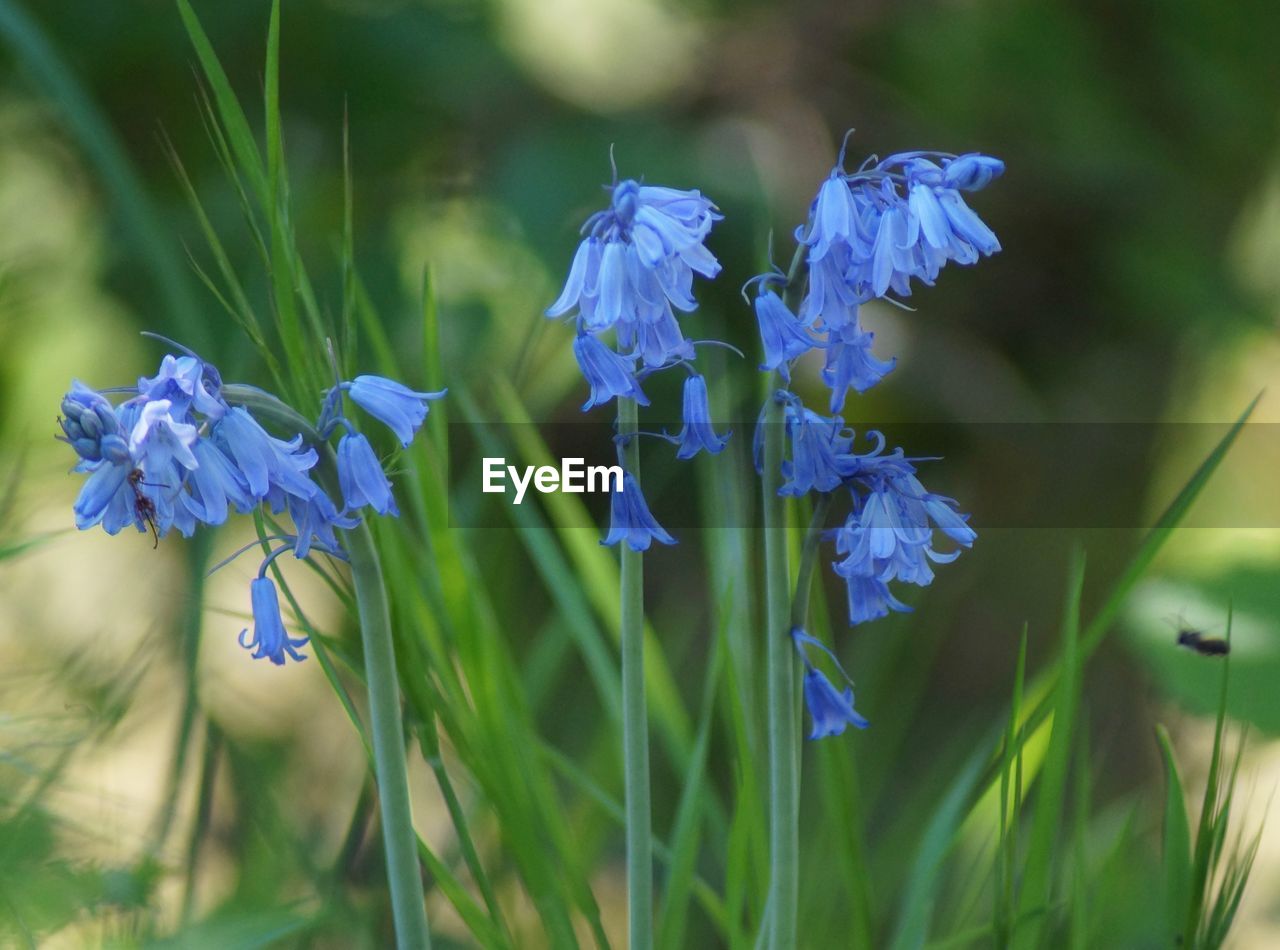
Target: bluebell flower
215, 484
607, 373
879, 229
820, 457
158, 440
832, 710
188, 383
265, 461
889, 535
656, 342
782, 333
832, 299
393, 404
868, 598
971, 172
851, 365
697, 433
106, 498
175, 454
630, 519
635, 264
361, 477
315, 517
914, 219
834, 216
270, 640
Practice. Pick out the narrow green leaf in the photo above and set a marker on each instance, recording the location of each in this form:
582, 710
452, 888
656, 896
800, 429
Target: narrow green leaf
1155, 539
1176, 853
1010, 811
1037, 878
673, 917
239, 135
1212, 825
936, 843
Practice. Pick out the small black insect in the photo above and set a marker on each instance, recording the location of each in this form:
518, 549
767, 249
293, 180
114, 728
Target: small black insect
1205, 646
143, 506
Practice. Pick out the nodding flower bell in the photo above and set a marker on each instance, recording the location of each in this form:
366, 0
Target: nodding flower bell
395, 405
181, 450
630, 519
270, 640
361, 476
832, 709
697, 433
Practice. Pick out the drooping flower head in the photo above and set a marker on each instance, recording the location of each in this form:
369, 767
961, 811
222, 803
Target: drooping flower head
697, 433
630, 519
832, 709
179, 452
871, 233
393, 404
270, 640
633, 269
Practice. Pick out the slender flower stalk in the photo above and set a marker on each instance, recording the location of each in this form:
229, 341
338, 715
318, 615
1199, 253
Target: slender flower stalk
386, 735
635, 719
784, 783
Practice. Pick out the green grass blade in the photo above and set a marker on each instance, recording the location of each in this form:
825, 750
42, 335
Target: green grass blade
1155, 539
1004, 908
935, 844
239, 134
1176, 852
1042, 689
1037, 878
1212, 826
673, 917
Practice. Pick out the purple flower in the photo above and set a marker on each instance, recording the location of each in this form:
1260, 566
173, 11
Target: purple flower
361, 478
697, 433
393, 404
270, 640
630, 520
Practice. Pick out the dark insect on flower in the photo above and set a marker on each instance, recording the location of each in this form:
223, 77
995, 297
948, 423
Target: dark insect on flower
1205, 646
143, 506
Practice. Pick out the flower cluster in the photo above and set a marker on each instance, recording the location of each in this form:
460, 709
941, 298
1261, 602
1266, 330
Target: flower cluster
869, 234
181, 449
889, 532
632, 271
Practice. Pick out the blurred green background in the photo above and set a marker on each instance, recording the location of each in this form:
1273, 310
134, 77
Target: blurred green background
1139, 283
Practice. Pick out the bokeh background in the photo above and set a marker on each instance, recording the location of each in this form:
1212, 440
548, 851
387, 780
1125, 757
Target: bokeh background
1136, 298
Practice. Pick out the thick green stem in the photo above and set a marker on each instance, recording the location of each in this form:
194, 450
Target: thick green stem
635, 719
784, 725
784, 787
387, 737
